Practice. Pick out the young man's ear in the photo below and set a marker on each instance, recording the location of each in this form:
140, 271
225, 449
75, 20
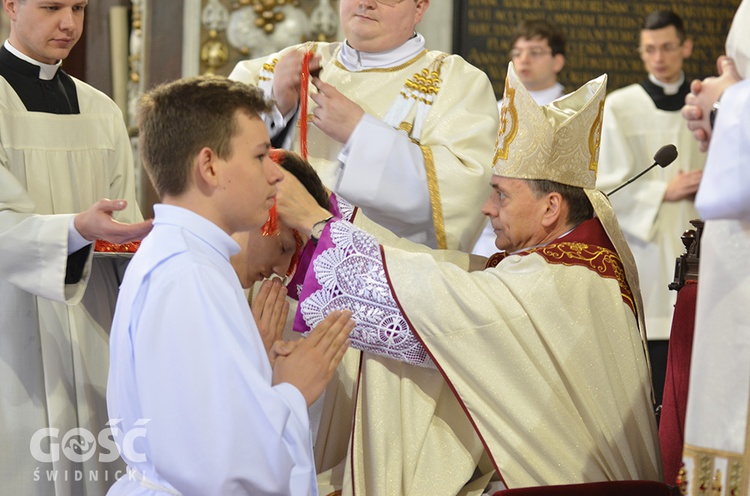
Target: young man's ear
205, 170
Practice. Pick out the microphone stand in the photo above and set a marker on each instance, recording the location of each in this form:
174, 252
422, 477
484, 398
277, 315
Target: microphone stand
633, 178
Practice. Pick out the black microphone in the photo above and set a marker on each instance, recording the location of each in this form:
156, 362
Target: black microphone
663, 157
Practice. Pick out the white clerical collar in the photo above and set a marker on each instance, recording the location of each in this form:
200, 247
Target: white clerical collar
46, 71
669, 88
355, 60
543, 97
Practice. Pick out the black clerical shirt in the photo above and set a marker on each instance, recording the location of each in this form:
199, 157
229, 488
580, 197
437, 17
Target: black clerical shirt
56, 96
666, 102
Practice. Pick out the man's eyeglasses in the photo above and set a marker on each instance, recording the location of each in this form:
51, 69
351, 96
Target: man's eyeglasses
390, 3
665, 48
534, 53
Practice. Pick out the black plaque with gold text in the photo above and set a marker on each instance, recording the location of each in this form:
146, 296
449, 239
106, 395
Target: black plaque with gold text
602, 36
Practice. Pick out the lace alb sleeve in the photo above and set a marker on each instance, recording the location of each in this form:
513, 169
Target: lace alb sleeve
351, 277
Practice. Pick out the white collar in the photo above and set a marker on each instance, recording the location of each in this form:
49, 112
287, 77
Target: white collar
355, 60
669, 88
195, 223
46, 71
545, 96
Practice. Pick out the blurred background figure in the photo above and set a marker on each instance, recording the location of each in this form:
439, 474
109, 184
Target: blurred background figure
656, 209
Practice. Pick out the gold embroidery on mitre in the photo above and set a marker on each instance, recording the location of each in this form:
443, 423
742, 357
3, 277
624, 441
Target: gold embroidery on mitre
508, 124
595, 138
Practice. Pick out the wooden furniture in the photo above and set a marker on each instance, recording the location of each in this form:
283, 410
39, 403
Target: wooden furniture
686, 266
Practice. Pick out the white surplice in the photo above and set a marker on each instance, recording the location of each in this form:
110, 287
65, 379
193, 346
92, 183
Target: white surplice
633, 130
54, 339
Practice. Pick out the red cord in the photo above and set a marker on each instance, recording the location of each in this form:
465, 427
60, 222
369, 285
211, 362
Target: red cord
304, 85
271, 227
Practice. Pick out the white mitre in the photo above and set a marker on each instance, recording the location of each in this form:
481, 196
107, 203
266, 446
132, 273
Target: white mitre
558, 141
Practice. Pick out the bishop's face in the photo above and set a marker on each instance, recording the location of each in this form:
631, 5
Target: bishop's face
515, 212
43, 30
380, 25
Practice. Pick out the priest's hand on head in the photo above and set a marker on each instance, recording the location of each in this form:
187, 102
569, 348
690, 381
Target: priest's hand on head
287, 78
296, 206
335, 114
96, 222
309, 366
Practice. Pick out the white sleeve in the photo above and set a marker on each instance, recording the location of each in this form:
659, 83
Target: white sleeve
383, 173
723, 192
34, 247
217, 426
76, 241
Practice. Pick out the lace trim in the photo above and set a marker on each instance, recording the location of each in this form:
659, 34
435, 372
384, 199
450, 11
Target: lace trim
346, 209
352, 276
